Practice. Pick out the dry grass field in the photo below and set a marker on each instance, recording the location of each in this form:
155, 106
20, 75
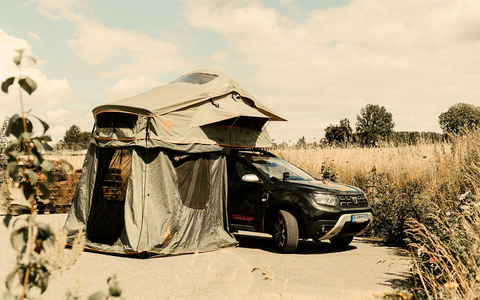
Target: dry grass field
406, 163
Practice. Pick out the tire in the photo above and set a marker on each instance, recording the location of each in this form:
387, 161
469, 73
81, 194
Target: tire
285, 232
343, 242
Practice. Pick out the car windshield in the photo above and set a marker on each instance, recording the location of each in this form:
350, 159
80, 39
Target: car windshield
274, 167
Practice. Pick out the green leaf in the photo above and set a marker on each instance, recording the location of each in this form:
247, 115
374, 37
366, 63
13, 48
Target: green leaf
45, 192
28, 190
28, 85
7, 83
38, 145
14, 154
32, 176
8, 295
46, 234
68, 165
47, 146
11, 278
17, 60
19, 197
19, 239
44, 276
45, 125
97, 296
15, 126
113, 287
50, 176
13, 170
7, 220
32, 59
47, 165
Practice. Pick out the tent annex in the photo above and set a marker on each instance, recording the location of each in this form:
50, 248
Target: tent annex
154, 178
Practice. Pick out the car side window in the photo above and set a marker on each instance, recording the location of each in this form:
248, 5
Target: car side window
240, 170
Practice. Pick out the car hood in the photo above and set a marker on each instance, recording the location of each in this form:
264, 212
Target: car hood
326, 186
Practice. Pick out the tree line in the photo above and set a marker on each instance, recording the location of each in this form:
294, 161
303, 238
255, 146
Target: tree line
375, 125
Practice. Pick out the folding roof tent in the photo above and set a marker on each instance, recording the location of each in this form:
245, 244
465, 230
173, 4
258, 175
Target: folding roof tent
154, 178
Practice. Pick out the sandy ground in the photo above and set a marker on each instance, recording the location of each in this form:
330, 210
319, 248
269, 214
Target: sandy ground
252, 271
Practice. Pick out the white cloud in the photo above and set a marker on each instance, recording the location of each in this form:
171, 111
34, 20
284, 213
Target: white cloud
414, 57
34, 35
58, 113
221, 56
127, 87
97, 44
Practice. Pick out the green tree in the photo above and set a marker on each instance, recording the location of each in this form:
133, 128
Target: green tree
302, 143
374, 123
72, 136
76, 139
460, 117
342, 133
84, 139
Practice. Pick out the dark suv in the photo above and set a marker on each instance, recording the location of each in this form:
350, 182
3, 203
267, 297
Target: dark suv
268, 194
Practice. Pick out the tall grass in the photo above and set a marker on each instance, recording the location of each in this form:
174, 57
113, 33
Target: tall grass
424, 199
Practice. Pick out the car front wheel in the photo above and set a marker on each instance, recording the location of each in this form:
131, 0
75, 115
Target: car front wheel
285, 232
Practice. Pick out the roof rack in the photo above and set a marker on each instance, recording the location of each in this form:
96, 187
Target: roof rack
257, 150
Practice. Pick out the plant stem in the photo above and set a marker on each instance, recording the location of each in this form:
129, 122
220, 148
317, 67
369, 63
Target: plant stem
25, 281
21, 100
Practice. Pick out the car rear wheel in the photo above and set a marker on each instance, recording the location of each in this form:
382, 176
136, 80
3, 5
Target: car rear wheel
285, 232
343, 242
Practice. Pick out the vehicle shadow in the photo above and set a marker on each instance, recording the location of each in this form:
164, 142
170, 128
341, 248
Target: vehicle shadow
378, 243
304, 247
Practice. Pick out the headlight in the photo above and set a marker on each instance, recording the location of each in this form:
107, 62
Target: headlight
325, 199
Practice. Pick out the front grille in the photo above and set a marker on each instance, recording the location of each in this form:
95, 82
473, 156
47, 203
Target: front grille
353, 201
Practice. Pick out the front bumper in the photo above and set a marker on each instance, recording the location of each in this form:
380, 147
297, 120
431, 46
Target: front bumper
327, 229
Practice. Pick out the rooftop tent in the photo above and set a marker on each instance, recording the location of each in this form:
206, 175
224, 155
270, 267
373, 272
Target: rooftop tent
154, 178
202, 107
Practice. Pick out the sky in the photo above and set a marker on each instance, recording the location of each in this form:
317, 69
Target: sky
314, 62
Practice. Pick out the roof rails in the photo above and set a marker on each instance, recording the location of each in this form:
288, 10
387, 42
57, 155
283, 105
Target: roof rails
256, 150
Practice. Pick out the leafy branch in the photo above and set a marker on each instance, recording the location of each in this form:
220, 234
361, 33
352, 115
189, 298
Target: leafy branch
34, 242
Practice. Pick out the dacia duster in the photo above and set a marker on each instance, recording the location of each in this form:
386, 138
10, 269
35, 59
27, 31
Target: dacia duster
270, 195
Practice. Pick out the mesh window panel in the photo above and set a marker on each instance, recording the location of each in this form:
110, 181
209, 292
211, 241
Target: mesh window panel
106, 220
116, 120
197, 78
193, 173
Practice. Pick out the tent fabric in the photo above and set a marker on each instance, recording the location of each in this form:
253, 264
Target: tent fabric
155, 217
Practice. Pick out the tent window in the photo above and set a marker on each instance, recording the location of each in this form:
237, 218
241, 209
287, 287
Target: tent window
106, 220
193, 173
197, 78
116, 120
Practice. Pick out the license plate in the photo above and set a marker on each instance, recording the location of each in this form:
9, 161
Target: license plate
359, 218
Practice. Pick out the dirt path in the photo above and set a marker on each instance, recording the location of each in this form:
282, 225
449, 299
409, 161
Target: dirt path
252, 271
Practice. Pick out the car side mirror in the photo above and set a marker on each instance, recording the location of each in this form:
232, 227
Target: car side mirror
250, 178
